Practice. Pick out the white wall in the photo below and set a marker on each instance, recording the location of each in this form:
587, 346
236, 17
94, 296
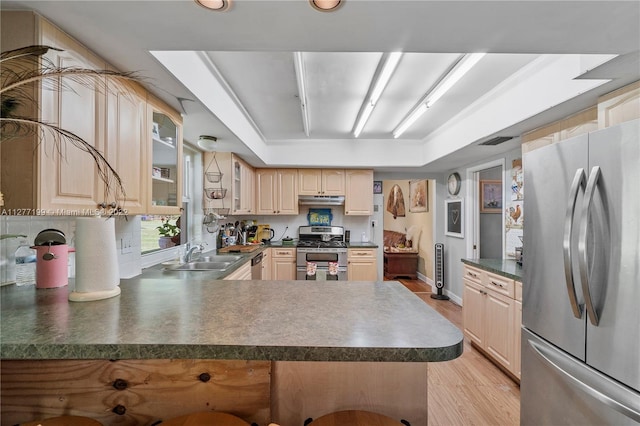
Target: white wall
459, 248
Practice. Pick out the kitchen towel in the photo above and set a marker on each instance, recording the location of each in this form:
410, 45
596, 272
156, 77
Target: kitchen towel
97, 271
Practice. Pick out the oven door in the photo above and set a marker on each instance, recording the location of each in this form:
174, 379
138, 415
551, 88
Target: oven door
322, 274
322, 258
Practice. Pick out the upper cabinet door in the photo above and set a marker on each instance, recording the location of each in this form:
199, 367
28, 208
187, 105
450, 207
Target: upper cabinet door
321, 182
309, 181
333, 182
358, 198
287, 194
67, 176
126, 145
164, 170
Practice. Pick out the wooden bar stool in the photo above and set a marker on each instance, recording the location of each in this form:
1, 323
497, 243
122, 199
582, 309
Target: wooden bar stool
65, 421
355, 418
209, 418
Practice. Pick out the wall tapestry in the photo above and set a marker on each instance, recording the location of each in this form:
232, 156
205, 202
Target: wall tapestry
395, 204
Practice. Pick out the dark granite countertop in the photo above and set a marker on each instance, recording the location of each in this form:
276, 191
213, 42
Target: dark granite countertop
193, 316
359, 244
505, 267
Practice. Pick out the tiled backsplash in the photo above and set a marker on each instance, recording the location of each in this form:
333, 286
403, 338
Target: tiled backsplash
130, 263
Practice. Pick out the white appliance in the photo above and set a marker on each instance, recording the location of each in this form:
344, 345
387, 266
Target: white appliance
581, 282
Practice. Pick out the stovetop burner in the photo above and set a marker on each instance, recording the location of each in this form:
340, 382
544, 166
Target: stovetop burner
325, 237
321, 244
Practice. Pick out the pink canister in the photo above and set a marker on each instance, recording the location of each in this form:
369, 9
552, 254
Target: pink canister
52, 265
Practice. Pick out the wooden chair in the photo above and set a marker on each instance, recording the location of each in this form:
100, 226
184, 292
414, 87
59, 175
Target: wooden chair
355, 418
64, 421
209, 418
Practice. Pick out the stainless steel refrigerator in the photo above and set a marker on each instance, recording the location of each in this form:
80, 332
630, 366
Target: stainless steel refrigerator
581, 281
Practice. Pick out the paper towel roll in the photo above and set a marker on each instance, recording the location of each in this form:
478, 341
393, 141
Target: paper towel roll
97, 271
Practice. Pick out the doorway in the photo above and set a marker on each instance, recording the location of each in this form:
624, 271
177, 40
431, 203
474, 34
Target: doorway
485, 211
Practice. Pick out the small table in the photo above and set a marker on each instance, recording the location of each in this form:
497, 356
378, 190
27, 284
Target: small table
401, 264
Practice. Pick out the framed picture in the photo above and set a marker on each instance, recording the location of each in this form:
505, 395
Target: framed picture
490, 196
377, 187
454, 218
155, 131
419, 196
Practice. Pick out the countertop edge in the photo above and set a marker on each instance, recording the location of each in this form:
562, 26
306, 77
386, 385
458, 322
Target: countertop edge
262, 353
491, 266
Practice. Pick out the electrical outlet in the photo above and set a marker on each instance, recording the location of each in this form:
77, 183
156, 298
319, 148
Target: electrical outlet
126, 242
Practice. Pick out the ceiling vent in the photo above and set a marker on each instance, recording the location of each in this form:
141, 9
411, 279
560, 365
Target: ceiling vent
497, 140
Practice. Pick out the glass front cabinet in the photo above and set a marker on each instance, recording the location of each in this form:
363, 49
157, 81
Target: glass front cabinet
165, 167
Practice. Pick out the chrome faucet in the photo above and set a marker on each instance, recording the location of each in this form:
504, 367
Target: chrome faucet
191, 249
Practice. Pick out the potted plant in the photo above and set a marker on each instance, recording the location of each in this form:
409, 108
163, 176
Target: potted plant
168, 232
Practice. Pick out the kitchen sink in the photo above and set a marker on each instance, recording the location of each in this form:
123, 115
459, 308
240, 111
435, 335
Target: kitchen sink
219, 258
201, 265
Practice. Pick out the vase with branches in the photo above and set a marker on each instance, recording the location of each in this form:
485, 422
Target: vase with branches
23, 69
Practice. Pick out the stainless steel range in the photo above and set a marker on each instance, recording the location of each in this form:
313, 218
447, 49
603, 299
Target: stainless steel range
321, 253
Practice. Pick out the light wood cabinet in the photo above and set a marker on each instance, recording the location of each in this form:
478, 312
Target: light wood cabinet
127, 143
492, 317
241, 274
283, 263
266, 264
499, 314
237, 182
358, 198
42, 176
276, 191
164, 167
473, 312
321, 182
242, 189
362, 265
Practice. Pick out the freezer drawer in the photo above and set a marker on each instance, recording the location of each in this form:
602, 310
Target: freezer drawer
558, 389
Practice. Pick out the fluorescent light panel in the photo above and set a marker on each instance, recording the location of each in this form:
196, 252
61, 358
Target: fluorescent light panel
381, 82
302, 91
463, 66
415, 114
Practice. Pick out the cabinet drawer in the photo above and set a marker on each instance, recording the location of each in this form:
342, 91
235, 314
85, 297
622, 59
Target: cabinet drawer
361, 254
283, 252
500, 284
518, 291
473, 274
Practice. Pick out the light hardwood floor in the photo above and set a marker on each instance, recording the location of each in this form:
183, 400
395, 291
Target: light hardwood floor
469, 390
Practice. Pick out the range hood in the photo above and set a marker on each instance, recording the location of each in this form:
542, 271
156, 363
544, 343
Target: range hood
321, 200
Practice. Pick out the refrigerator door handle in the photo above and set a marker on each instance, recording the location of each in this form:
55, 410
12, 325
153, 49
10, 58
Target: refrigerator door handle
579, 182
604, 390
582, 244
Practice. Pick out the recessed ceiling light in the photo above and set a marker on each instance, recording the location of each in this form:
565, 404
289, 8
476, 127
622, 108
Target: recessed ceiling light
325, 5
217, 5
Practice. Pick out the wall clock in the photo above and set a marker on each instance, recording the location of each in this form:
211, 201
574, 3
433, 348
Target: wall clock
453, 183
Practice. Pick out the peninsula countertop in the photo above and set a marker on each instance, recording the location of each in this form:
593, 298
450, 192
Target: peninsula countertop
200, 318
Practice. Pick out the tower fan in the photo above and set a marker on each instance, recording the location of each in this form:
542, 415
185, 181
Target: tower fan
439, 272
